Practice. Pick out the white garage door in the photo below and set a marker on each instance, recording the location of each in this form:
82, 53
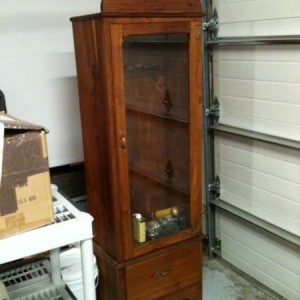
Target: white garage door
257, 141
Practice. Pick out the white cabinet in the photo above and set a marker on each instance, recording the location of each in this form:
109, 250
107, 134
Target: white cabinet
71, 226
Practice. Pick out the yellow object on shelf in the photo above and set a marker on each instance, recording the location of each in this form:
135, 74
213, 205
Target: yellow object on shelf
158, 214
139, 228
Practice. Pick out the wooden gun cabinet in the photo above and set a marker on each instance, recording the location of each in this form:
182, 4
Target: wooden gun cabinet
139, 81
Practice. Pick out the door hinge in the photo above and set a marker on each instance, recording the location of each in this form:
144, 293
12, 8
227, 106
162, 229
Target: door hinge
215, 187
214, 110
216, 249
213, 24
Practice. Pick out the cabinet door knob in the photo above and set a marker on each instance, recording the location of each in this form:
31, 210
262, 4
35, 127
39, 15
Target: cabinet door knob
123, 141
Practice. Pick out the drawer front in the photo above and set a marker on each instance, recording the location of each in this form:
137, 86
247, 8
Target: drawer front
191, 293
164, 274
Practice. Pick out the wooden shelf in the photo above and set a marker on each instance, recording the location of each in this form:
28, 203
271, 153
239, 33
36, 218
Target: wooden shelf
162, 116
168, 185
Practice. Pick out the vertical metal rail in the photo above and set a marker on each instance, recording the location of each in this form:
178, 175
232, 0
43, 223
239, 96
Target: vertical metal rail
208, 135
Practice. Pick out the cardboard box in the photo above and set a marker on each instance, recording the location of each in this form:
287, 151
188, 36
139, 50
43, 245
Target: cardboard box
25, 188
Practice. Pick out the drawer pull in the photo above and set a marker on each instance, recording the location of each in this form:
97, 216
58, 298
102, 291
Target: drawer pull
163, 273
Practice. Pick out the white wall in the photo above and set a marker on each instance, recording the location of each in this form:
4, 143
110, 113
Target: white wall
38, 74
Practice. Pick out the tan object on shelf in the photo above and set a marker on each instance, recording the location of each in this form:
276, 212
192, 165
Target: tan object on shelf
25, 191
164, 212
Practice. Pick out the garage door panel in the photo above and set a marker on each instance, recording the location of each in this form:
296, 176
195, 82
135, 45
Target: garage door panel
264, 205
240, 11
262, 163
258, 17
261, 109
279, 92
260, 178
233, 188
262, 242
260, 71
258, 88
258, 147
260, 28
263, 263
261, 255
284, 130
264, 53
265, 279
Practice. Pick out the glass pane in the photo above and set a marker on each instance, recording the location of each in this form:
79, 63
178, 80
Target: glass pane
157, 116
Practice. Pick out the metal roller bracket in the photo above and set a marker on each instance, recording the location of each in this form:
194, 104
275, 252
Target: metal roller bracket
213, 24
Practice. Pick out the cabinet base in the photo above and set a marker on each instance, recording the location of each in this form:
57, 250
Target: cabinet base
172, 273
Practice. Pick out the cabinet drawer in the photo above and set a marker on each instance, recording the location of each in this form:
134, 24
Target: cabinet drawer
191, 293
164, 274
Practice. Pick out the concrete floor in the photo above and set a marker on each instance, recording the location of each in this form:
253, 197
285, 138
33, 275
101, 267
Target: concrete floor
220, 282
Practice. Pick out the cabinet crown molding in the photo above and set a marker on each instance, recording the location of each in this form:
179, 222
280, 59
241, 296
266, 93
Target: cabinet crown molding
142, 7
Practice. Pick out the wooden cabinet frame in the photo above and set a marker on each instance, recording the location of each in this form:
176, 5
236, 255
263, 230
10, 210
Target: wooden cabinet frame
98, 41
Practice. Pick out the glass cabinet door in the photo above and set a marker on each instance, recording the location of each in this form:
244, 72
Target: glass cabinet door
156, 90
160, 86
